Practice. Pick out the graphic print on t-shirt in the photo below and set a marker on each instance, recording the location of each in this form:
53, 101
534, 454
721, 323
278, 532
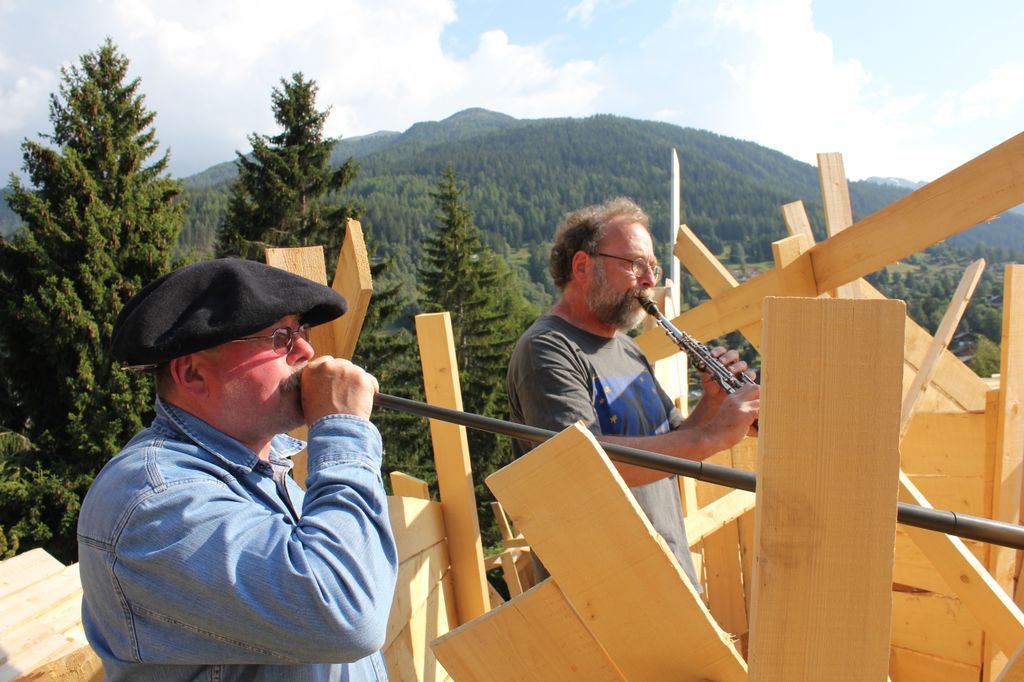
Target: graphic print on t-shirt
629, 405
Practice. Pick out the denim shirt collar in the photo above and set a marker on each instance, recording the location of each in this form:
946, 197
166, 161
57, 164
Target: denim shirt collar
229, 450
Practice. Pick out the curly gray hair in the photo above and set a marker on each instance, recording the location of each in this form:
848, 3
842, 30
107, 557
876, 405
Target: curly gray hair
583, 229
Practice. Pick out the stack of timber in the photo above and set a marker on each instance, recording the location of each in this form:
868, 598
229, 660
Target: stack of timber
41, 634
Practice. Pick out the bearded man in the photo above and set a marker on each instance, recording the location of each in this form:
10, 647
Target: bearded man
575, 363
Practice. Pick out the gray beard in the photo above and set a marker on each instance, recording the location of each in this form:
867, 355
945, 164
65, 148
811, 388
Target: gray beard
621, 311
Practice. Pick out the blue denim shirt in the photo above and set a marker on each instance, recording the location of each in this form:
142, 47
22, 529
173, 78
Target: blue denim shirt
195, 566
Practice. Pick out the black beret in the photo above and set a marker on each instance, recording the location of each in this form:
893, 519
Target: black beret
206, 304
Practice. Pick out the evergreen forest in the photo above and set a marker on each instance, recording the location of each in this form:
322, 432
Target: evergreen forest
458, 216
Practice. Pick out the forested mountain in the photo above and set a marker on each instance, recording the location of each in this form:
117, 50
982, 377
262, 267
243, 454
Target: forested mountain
523, 175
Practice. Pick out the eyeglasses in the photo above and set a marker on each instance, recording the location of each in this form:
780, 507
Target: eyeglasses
284, 338
639, 265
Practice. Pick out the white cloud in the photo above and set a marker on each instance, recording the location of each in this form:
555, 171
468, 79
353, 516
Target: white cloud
584, 11
208, 68
23, 93
999, 95
760, 70
521, 81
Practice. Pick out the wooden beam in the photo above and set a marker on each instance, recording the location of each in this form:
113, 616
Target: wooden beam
710, 273
974, 192
835, 199
452, 463
418, 577
990, 605
1014, 670
710, 518
352, 280
404, 485
417, 525
569, 501
536, 637
964, 197
943, 335
723, 583
308, 262
26, 568
827, 468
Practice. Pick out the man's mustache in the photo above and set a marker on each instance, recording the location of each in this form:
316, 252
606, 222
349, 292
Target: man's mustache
292, 383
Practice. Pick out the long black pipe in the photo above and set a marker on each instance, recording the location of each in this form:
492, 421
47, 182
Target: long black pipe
952, 523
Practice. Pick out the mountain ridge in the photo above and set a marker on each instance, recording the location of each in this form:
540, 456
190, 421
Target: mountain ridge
522, 175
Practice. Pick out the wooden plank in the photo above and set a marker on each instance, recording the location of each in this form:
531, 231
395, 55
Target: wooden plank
1004, 563
308, 262
352, 280
961, 494
404, 485
912, 569
714, 277
58, 619
26, 568
795, 216
535, 637
950, 444
45, 649
698, 260
954, 381
827, 467
409, 656
744, 456
912, 666
38, 598
950, 321
724, 585
79, 665
501, 519
964, 197
975, 587
417, 525
1014, 670
955, 385
511, 574
835, 195
936, 625
714, 516
835, 199
1010, 425
981, 188
452, 463
418, 577
569, 501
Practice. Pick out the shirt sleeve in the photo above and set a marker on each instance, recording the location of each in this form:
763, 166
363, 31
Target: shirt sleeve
243, 583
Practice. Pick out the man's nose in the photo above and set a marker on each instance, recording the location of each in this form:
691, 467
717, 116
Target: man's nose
646, 278
302, 350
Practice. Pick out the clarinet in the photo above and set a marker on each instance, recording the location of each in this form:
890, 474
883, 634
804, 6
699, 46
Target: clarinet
699, 354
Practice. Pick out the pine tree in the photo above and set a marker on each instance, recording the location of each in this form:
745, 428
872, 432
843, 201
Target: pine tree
99, 222
280, 195
487, 313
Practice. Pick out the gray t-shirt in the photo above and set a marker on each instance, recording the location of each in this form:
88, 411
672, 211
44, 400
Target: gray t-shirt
560, 374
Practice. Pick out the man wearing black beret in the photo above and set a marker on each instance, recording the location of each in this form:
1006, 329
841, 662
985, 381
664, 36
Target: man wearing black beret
200, 557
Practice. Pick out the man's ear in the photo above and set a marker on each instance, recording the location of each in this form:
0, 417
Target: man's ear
189, 375
582, 263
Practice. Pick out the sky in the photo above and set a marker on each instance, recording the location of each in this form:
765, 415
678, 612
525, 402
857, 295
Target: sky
909, 89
